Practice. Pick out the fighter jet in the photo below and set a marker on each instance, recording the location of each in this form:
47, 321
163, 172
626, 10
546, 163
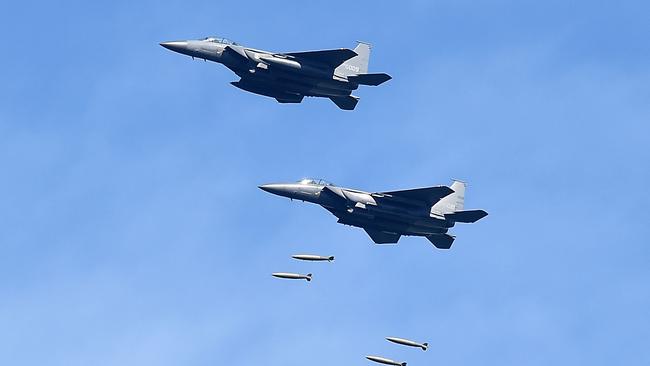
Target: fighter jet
289, 77
386, 216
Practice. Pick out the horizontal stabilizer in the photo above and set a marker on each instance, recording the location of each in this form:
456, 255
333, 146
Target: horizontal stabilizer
347, 103
380, 237
369, 79
427, 196
466, 216
441, 241
331, 58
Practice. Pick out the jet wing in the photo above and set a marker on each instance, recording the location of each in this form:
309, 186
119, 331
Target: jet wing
380, 237
331, 58
427, 196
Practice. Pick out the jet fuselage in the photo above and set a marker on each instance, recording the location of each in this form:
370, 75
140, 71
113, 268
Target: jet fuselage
386, 216
288, 77
361, 209
266, 73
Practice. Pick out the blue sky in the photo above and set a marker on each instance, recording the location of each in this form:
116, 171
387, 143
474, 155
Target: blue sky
133, 232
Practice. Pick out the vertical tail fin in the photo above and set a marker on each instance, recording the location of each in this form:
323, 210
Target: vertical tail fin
452, 203
357, 64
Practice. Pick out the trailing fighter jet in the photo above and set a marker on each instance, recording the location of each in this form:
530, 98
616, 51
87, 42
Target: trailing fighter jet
288, 77
386, 216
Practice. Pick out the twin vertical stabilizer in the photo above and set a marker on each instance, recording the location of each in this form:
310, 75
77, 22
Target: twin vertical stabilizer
451, 203
357, 64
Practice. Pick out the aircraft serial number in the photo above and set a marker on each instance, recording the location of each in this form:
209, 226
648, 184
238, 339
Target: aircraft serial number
352, 68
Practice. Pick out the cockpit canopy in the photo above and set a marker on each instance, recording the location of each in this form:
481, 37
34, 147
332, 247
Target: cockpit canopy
315, 182
221, 40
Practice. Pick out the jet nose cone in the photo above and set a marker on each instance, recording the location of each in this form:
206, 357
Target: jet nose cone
271, 188
278, 189
176, 46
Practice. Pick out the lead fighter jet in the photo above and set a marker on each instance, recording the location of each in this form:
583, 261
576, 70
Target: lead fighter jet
386, 216
288, 77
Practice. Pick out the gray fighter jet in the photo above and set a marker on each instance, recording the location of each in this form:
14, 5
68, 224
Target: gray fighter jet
386, 216
288, 77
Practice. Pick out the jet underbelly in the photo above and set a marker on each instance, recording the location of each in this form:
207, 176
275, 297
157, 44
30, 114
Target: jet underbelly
400, 224
296, 82
268, 91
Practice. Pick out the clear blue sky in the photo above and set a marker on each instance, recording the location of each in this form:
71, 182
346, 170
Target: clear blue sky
132, 231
